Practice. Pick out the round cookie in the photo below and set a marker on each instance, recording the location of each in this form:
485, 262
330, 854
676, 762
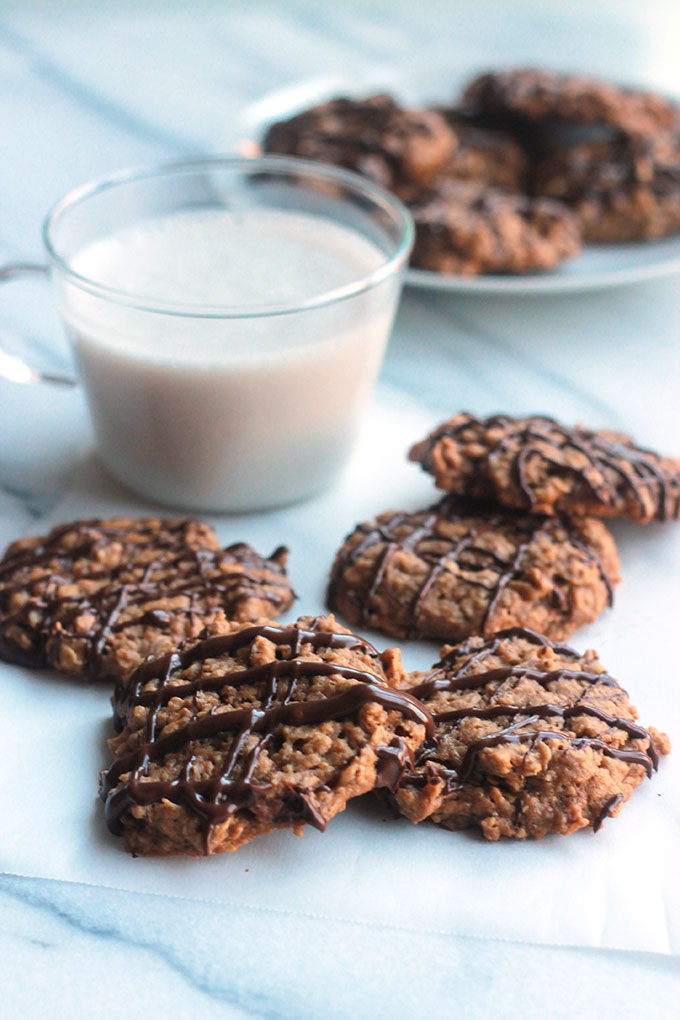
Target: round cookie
455, 570
253, 729
374, 136
543, 96
621, 189
487, 156
94, 598
466, 228
531, 738
535, 463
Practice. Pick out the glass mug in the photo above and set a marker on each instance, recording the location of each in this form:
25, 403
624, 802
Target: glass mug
225, 407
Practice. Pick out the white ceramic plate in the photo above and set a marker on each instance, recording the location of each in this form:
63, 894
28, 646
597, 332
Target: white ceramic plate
596, 268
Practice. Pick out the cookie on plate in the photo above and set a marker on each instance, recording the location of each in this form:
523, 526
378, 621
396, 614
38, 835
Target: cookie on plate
94, 598
542, 96
374, 136
621, 189
535, 463
531, 738
253, 729
467, 228
489, 156
458, 569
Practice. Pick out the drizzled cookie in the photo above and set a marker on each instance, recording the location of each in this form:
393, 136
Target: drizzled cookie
253, 729
458, 569
621, 189
531, 738
374, 136
542, 96
94, 598
487, 156
535, 463
466, 227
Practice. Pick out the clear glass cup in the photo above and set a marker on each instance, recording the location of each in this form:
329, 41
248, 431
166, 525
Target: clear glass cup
226, 407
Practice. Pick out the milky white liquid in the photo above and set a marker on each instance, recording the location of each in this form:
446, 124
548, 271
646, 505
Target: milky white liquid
228, 413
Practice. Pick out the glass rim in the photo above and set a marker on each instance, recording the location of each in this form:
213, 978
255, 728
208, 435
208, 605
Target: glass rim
285, 166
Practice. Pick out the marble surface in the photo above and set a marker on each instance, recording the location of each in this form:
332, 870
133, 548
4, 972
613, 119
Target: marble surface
91, 87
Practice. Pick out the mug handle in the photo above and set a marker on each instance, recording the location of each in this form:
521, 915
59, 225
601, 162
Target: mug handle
16, 369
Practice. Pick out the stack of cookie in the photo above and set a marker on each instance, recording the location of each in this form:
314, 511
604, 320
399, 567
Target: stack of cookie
515, 177
531, 737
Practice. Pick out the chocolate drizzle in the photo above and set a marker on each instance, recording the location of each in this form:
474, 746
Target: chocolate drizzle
609, 472
422, 535
77, 599
531, 713
462, 669
236, 786
466, 677
131, 693
609, 805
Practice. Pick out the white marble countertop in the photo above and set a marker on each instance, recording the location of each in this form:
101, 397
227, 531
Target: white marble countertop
90, 87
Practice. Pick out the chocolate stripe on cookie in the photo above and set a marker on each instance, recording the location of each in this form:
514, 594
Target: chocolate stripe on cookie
130, 694
94, 534
531, 713
440, 679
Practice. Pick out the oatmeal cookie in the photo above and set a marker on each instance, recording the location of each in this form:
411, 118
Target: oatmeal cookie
467, 228
253, 729
531, 738
374, 136
621, 189
94, 598
488, 156
459, 569
546, 96
535, 463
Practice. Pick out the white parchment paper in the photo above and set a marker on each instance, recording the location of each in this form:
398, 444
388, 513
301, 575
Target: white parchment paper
618, 888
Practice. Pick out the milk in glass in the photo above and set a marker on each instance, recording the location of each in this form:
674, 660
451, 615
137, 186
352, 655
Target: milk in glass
200, 400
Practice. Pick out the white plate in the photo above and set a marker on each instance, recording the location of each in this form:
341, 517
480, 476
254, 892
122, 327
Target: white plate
596, 268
